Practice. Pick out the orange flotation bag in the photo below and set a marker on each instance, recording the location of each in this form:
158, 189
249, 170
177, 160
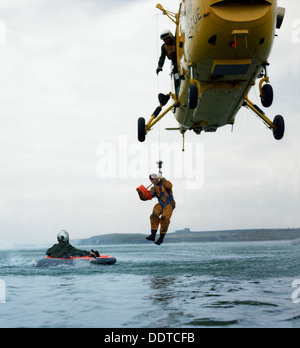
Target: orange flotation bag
146, 194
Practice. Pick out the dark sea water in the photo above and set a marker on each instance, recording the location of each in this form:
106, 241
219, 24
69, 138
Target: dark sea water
171, 286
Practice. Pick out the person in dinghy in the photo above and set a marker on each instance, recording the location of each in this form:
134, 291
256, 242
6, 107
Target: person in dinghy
163, 210
64, 250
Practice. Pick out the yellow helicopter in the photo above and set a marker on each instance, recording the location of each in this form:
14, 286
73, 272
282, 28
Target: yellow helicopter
222, 48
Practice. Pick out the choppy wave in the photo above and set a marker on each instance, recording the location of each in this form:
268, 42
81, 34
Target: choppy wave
175, 285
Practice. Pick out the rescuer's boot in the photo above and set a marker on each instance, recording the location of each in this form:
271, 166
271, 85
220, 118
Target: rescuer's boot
152, 236
160, 239
163, 99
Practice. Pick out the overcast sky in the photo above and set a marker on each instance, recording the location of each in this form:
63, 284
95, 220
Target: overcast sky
75, 76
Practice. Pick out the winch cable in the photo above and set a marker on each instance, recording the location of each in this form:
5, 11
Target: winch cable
158, 89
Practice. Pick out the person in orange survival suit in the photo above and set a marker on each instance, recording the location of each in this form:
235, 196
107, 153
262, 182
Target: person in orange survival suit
163, 210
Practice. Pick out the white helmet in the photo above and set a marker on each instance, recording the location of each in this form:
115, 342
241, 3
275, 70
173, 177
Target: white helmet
63, 236
153, 176
166, 33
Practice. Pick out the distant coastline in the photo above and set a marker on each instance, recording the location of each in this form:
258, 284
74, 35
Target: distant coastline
188, 236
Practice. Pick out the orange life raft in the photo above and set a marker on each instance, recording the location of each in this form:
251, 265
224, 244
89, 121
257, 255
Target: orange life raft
50, 261
145, 192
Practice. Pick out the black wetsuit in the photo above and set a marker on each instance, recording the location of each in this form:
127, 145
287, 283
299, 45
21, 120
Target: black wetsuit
65, 250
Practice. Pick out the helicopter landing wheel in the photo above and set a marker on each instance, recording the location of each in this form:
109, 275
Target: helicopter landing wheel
267, 96
193, 97
141, 129
279, 127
